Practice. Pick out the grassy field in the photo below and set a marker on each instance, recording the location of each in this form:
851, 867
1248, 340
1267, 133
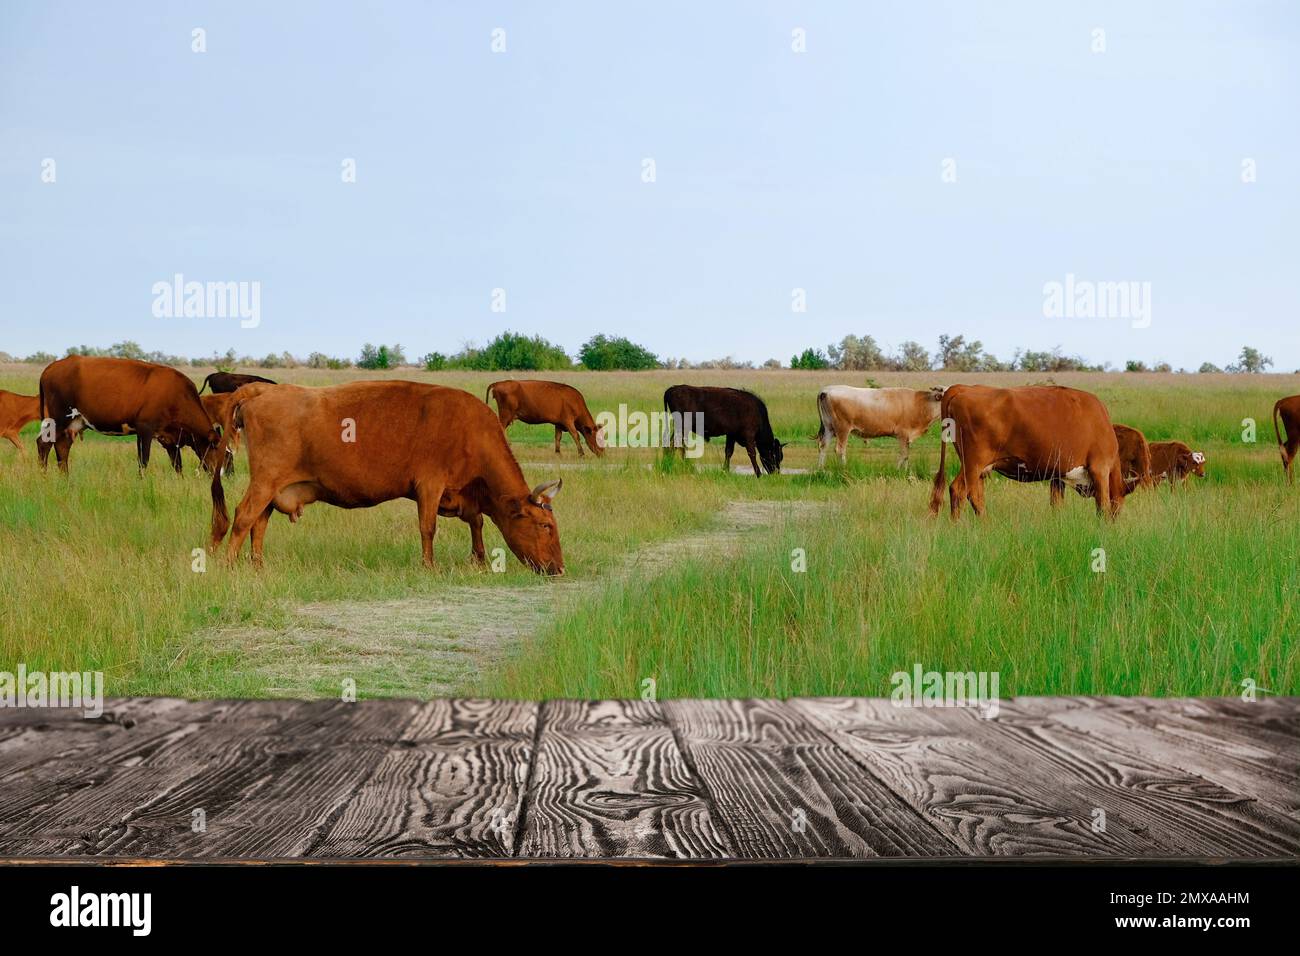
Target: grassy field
1199, 593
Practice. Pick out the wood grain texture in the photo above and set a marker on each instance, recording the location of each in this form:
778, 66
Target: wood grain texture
608, 780
1248, 757
988, 799
708, 779
781, 789
452, 787
1186, 814
265, 777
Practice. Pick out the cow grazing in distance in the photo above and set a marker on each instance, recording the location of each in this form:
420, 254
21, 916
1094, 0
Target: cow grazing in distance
1173, 461
1288, 410
1032, 433
440, 447
230, 381
119, 396
1134, 460
547, 403
16, 412
739, 415
219, 406
902, 413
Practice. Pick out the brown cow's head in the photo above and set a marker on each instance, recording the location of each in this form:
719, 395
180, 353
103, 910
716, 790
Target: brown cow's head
212, 453
1192, 463
529, 528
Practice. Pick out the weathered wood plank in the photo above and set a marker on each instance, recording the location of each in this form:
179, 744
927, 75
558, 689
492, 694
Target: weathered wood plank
991, 800
452, 787
781, 789
324, 779
608, 780
260, 793
1243, 758
1187, 815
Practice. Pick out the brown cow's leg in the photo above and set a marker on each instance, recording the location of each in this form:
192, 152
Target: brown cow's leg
43, 451
726, 457
477, 551
143, 443
62, 449
559, 433
904, 451
975, 488
1057, 494
957, 493
174, 453
753, 457
256, 500
573, 433
1100, 488
1117, 489
1288, 457
13, 438
842, 446
259, 534
427, 508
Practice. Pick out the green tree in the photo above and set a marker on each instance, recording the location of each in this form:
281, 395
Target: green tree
811, 359
857, 354
1251, 360
603, 353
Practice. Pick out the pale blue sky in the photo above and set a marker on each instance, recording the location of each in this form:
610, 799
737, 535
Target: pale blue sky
775, 170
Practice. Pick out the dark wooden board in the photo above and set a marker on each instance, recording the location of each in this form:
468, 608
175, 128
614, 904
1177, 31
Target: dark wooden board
781, 788
993, 797
452, 787
608, 780
699, 779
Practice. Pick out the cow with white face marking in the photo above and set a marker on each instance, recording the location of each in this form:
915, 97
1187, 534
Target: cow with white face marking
1173, 461
902, 413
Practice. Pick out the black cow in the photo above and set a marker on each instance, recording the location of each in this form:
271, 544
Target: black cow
230, 381
739, 415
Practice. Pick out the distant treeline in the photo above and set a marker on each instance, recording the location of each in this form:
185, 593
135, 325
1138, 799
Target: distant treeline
511, 351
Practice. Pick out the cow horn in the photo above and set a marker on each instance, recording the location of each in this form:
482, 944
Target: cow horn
547, 490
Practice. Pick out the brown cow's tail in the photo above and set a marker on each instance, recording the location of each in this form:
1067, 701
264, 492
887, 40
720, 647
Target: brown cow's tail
940, 477
1144, 462
220, 514
205, 382
487, 397
1277, 431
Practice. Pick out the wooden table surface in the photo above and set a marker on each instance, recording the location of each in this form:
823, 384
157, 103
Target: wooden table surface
1056, 777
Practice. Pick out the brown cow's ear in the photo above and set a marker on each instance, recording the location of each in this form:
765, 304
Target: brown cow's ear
217, 429
546, 491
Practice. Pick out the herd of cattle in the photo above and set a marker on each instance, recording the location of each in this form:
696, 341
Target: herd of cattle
364, 443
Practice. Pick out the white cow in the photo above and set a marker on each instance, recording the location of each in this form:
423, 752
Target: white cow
904, 413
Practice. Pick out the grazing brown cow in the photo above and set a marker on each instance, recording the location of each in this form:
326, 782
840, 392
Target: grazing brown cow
1032, 433
17, 411
1134, 461
227, 382
902, 413
218, 405
1173, 461
365, 443
119, 396
536, 402
1288, 409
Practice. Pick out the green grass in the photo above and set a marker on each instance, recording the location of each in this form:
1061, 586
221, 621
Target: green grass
1199, 593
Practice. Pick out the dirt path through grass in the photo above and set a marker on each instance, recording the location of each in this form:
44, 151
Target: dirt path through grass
434, 645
